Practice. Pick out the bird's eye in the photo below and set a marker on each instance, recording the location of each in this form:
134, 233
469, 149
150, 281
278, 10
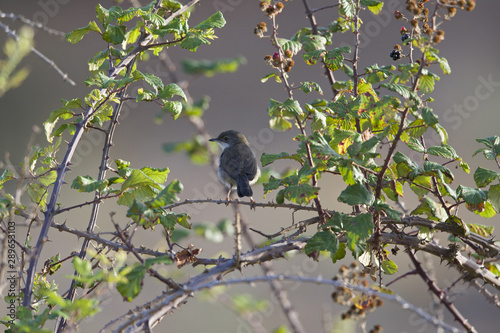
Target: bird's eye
225, 138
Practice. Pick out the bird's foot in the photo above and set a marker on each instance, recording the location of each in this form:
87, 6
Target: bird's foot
252, 203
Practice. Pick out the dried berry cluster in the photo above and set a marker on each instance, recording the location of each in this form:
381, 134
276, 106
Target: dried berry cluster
271, 9
421, 19
277, 60
359, 303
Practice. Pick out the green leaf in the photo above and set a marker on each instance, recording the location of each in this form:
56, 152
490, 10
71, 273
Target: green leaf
287, 44
215, 21
114, 34
211, 67
280, 124
414, 144
390, 212
149, 262
426, 84
171, 90
82, 267
167, 196
334, 59
472, 196
490, 142
374, 6
494, 197
484, 177
359, 229
172, 107
430, 208
88, 184
444, 151
429, 117
322, 241
267, 159
76, 35
299, 194
50, 123
292, 107
356, 194
442, 133
135, 276
389, 267
313, 56
309, 86
268, 76
6, 176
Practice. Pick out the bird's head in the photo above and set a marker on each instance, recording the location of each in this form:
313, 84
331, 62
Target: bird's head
230, 138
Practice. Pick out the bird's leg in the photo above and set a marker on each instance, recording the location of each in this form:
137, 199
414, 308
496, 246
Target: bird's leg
252, 206
227, 196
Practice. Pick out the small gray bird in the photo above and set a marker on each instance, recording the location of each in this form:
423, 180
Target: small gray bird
237, 164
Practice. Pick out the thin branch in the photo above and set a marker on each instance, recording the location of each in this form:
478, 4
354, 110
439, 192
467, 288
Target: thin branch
440, 294
314, 26
13, 34
237, 202
279, 292
32, 23
151, 313
143, 40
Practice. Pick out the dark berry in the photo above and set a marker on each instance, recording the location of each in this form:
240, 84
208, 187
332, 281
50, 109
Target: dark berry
405, 37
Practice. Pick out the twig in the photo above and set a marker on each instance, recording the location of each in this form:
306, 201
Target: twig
314, 26
237, 202
440, 294
32, 23
40, 54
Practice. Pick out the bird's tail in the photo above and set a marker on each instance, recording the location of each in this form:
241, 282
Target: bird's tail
243, 186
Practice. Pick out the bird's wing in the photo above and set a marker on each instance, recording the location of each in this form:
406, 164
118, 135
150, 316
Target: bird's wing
230, 163
234, 166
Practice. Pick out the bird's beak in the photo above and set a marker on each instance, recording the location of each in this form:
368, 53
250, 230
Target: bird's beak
214, 139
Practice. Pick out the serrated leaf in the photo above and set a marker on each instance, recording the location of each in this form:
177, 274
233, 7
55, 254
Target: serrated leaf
390, 212
429, 117
171, 90
374, 6
484, 177
481, 230
114, 34
426, 84
356, 194
444, 151
471, 196
389, 267
309, 86
167, 196
287, 44
135, 276
299, 194
215, 21
76, 35
88, 184
267, 159
414, 144
494, 197
359, 229
322, 241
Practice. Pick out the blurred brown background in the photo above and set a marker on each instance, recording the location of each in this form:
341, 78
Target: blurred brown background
466, 103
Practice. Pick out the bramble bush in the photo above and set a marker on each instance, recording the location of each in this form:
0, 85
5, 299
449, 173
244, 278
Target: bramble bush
359, 136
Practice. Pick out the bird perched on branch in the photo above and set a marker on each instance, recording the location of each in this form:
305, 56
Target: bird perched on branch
237, 164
